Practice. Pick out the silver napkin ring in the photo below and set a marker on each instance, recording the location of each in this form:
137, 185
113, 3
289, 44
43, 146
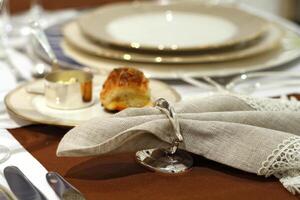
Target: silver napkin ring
165, 107
170, 160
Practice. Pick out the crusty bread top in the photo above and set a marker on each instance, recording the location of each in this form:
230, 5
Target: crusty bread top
125, 77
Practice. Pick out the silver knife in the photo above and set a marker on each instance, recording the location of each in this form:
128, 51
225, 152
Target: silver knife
21, 186
62, 188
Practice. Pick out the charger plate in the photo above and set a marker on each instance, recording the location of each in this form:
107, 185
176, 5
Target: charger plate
288, 50
32, 106
268, 41
173, 26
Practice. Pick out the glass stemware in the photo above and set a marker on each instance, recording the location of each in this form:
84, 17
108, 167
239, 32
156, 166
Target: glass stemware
17, 26
266, 84
4, 151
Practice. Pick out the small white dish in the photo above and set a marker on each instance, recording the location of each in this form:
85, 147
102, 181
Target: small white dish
32, 106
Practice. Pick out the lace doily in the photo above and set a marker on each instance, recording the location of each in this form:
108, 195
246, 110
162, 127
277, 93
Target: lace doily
284, 163
266, 104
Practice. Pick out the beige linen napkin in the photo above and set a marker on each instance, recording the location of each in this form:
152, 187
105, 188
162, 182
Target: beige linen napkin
255, 135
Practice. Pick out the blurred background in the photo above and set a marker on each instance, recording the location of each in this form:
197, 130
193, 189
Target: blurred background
287, 8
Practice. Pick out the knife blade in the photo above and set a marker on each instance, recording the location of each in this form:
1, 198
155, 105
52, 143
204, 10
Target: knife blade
20, 185
62, 188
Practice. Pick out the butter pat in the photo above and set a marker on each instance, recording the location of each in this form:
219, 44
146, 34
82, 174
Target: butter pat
70, 81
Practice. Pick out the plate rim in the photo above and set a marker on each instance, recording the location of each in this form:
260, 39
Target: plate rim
130, 5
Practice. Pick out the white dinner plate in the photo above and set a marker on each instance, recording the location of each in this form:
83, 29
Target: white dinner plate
176, 26
288, 50
270, 40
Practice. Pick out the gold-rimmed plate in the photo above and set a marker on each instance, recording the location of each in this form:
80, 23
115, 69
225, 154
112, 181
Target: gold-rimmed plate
270, 40
32, 106
287, 51
175, 26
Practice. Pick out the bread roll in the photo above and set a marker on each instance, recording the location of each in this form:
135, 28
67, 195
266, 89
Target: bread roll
124, 88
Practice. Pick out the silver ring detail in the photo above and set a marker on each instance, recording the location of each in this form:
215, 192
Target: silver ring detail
164, 106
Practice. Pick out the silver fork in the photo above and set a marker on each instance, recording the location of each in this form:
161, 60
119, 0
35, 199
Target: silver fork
210, 83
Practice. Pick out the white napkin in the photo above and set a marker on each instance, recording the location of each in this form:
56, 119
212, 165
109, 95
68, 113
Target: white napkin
34, 171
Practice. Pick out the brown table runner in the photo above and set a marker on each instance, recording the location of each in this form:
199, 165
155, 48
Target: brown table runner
120, 177
23, 5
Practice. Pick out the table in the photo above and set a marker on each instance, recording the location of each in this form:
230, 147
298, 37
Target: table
120, 177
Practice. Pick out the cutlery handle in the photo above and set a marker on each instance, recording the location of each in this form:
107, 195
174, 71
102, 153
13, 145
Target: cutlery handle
60, 185
21, 186
56, 183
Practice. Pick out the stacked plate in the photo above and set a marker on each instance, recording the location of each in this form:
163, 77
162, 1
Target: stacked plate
184, 37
